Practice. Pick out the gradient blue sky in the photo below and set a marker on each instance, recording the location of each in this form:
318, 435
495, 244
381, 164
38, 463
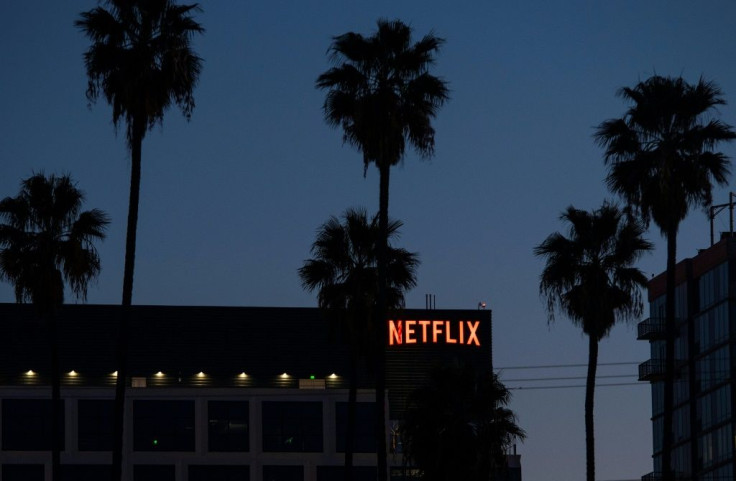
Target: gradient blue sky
231, 200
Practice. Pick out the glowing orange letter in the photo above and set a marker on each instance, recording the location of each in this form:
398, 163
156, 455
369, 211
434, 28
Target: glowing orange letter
424, 325
472, 337
462, 331
410, 332
436, 329
394, 333
448, 339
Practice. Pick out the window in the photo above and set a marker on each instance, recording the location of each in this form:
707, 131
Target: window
365, 427
337, 473
154, 472
219, 473
23, 472
283, 473
95, 425
163, 425
27, 424
713, 285
292, 426
228, 425
85, 472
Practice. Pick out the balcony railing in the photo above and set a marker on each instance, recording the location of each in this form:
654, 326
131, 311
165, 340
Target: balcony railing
651, 329
652, 370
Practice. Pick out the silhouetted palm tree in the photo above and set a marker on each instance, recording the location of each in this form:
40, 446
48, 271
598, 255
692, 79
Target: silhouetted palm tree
141, 61
46, 240
662, 161
590, 277
382, 96
344, 272
458, 426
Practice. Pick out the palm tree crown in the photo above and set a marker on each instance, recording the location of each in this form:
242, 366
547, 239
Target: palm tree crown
344, 265
141, 59
661, 152
46, 239
381, 92
589, 275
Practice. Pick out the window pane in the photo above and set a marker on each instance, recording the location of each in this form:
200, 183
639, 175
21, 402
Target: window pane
292, 426
85, 472
219, 473
27, 424
283, 473
337, 473
153, 472
365, 427
163, 425
95, 424
22, 472
228, 425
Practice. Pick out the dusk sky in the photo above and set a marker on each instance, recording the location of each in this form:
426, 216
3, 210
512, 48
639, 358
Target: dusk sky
231, 200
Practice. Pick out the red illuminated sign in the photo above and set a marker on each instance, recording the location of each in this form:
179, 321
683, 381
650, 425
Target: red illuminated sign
424, 331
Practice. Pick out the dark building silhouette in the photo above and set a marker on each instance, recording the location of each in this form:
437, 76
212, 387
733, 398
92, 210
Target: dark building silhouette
215, 393
703, 407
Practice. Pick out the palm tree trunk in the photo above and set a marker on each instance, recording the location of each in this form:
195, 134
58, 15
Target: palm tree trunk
380, 324
669, 372
56, 410
589, 395
352, 400
124, 327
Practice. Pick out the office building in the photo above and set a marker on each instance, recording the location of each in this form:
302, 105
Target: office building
703, 410
215, 393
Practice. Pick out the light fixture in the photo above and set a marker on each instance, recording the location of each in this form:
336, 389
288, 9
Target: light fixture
30, 373
200, 374
72, 373
159, 374
284, 375
311, 377
332, 376
242, 374
114, 374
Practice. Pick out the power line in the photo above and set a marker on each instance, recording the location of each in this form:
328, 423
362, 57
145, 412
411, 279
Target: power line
567, 378
571, 386
552, 366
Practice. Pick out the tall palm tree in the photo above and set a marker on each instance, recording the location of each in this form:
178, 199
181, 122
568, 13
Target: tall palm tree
590, 277
47, 241
662, 161
141, 60
344, 271
458, 426
382, 96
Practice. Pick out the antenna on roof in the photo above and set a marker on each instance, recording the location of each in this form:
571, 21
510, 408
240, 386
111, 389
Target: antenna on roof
716, 209
430, 301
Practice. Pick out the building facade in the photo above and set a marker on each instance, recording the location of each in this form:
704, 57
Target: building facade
215, 393
703, 394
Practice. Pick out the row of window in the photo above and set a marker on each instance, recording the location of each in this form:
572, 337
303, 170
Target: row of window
169, 425
95, 472
712, 327
713, 285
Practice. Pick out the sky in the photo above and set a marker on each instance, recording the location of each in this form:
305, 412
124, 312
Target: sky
231, 200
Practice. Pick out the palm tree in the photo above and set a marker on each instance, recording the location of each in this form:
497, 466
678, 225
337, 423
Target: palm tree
344, 272
382, 95
141, 60
662, 161
589, 277
458, 426
46, 241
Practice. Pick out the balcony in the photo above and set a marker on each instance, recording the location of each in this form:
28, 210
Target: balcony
652, 370
651, 329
